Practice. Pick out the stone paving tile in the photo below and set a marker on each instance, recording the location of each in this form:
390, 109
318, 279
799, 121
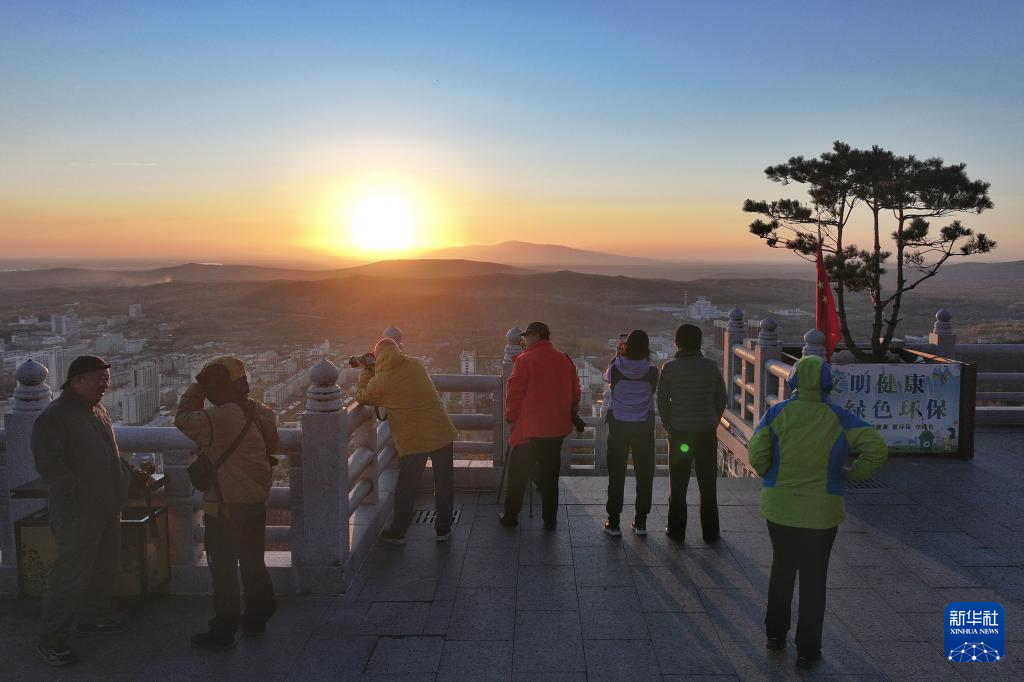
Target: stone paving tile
548, 641
483, 613
904, 594
748, 548
546, 588
913, 661
439, 617
549, 677
713, 567
404, 588
490, 567
687, 644
539, 547
406, 655
869, 618
621, 661
611, 613
587, 531
666, 589
476, 662
601, 566
395, 618
654, 549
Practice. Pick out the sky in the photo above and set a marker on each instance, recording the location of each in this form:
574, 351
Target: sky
256, 131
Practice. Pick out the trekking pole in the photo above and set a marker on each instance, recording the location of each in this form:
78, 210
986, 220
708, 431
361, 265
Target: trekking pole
504, 469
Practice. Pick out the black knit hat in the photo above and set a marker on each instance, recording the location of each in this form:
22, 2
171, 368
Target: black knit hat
84, 364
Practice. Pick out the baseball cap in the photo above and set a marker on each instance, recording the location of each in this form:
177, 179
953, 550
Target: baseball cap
538, 328
234, 366
84, 364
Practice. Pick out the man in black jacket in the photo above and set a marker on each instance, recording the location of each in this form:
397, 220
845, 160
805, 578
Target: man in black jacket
691, 400
75, 452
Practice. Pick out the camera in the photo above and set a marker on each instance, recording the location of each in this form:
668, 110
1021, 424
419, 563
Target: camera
364, 360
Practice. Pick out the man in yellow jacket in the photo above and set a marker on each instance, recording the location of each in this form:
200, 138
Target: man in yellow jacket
420, 428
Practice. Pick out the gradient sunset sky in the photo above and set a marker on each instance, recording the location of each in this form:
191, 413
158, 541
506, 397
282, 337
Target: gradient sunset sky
249, 131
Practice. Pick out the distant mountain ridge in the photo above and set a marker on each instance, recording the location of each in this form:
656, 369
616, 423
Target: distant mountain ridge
205, 272
539, 255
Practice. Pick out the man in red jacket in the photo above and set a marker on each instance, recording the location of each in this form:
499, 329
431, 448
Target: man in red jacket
542, 394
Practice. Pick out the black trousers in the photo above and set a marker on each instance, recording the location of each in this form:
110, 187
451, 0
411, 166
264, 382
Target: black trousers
541, 458
81, 584
622, 438
805, 551
409, 472
688, 450
234, 545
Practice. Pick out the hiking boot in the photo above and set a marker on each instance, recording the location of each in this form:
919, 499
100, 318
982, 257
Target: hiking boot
392, 538
507, 520
806, 662
444, 536
56, 656
612, 528
639, 525
253, 629
106, 626
212, 640
776, 643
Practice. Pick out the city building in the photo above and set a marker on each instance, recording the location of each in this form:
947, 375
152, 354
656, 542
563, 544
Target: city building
108, 344
467, 365
65, 325
135, 310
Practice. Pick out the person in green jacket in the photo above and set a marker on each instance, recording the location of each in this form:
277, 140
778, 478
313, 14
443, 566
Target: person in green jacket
800, 449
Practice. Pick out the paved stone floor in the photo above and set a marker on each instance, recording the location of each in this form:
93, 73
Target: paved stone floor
574, 604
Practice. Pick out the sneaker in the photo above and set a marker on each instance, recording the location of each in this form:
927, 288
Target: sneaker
392, 538
508, 520
639, 526
678, 538
445, 536
56, 656
106, 626
776, 643
210, 640
612, 528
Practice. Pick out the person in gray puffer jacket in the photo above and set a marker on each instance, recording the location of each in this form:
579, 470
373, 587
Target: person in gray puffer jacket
691, 400
630, 417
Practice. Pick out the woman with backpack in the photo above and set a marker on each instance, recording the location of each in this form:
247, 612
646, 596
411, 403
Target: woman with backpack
630, 418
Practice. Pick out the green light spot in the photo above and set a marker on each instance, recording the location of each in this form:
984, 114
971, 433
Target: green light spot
683, 447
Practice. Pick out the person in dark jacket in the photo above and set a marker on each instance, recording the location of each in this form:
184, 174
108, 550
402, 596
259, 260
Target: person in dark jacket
75, 452
691, 400
630, 417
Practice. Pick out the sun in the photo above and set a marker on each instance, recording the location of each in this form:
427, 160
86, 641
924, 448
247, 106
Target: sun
382, 222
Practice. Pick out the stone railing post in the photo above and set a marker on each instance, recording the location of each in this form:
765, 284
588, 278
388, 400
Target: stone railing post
395, 334
601, 436
814, 343
512, 349
366, 436
17, 466
183, 515
943, 336
734, 334
324, 475
767, 348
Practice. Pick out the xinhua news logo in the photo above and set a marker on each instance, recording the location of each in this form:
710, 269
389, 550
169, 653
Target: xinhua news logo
974, 632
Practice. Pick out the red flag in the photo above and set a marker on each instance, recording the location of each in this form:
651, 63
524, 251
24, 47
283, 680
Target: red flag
826, 319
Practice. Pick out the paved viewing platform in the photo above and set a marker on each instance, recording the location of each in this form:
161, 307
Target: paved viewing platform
575, 604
